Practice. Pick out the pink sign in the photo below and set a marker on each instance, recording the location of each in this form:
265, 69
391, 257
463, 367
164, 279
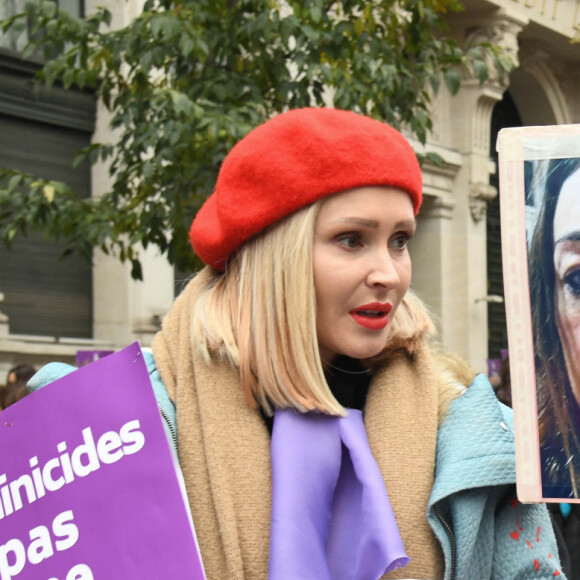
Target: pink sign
88, 487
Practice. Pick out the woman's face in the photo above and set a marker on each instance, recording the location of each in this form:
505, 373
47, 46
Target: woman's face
362, 268
567, 269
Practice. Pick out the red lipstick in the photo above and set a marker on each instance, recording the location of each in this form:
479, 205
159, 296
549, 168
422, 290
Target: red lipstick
373, 316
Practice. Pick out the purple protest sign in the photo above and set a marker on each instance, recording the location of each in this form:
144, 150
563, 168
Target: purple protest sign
88, 487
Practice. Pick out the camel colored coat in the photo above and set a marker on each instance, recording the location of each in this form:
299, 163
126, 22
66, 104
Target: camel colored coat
224, 451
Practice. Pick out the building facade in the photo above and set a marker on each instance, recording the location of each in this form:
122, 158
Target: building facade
456, 253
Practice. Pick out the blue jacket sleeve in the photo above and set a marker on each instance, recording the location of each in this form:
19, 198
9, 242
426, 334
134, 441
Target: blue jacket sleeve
525, 543
165, 404
48, 374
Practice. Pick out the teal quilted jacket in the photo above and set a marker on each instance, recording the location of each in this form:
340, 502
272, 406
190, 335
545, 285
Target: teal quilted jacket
484, 531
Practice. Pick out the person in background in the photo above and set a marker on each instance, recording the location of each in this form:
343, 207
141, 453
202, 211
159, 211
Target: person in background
15, 388
504, 389
566, 519
13, 393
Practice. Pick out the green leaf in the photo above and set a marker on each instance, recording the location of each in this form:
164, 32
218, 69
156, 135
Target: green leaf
81, 78
10, 234
186, 45
481, 70
93, 155
435, 158
48, 191
48, 9
181, 103
79, 157
14, 181
68, 78
51, 27
452, 81
316, 14
435, 82
505, 62
359, 26
106, 16
310, 32
136, 270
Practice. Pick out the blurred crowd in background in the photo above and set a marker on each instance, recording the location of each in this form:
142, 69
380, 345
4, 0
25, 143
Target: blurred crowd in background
15, 387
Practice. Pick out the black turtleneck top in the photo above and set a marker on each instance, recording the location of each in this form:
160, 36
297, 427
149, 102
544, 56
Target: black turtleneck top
349, 382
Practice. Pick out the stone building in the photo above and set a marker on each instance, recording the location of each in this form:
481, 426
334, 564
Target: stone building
51, 309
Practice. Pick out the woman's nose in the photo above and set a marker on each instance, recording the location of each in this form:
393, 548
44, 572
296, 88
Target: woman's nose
383, 271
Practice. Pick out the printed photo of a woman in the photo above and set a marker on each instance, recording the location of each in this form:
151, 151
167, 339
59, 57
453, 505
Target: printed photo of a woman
554, 268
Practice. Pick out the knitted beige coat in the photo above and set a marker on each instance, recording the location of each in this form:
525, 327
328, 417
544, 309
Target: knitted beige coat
224, 450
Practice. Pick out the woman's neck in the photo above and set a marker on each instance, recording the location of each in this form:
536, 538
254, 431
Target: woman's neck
349, 381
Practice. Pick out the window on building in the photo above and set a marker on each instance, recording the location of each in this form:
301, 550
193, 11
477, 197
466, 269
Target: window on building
505, 114
40, 131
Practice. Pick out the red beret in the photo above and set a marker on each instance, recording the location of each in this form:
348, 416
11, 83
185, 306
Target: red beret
291, 161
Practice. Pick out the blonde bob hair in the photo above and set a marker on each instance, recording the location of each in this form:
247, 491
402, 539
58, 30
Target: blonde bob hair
260, 316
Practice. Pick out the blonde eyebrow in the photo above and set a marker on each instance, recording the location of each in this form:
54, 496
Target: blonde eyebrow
372, 223
358, 221
406, 224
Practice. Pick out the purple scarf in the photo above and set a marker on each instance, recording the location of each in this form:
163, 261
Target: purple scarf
331, 516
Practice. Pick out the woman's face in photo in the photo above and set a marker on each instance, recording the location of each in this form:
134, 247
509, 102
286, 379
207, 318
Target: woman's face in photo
362, 268
567, 269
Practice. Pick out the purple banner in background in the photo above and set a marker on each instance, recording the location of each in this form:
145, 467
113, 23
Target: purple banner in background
493, 367
88, 487
84, 357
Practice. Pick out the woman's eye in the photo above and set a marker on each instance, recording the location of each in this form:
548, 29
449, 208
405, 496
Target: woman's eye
400, 241
349, 241
572, 282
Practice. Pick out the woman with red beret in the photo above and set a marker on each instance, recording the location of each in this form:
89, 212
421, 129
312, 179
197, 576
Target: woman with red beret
320, 435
